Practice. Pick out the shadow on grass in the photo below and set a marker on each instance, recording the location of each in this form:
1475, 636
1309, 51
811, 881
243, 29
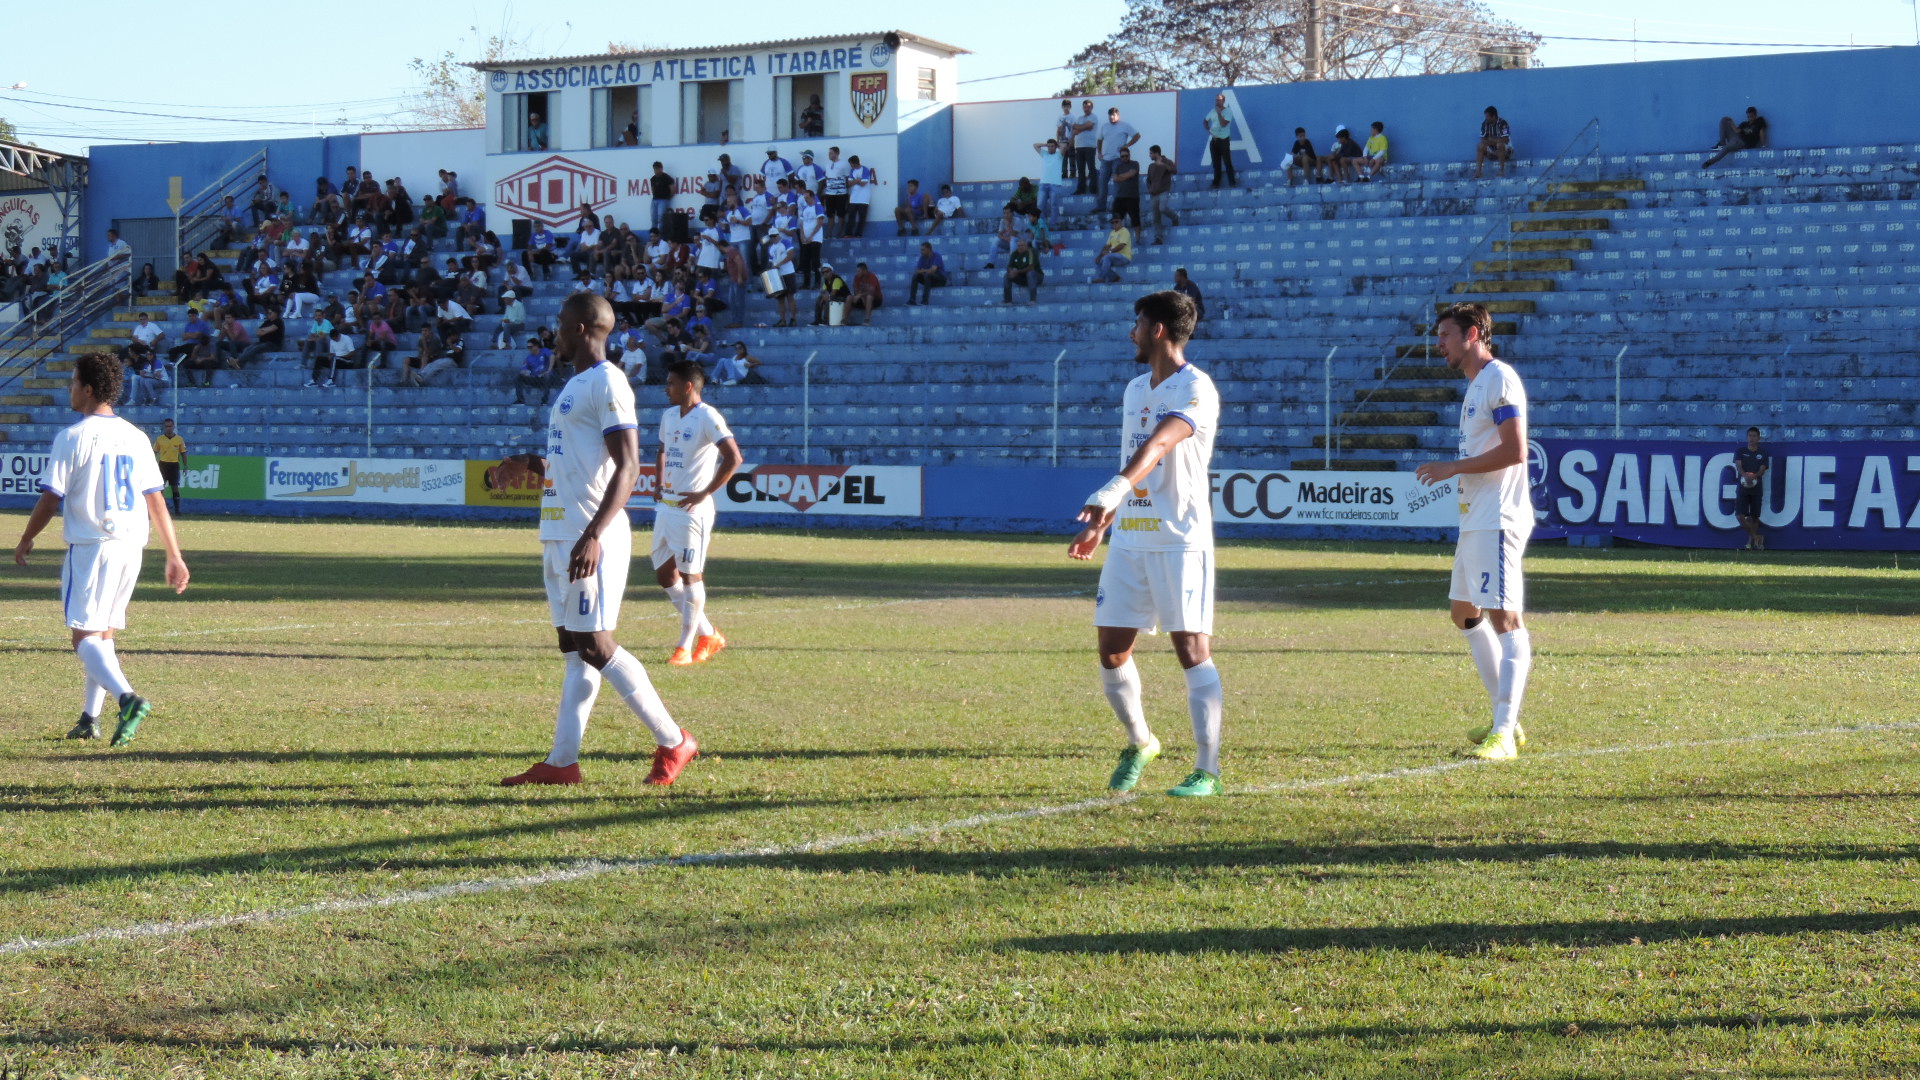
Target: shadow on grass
1463, 939
362, 757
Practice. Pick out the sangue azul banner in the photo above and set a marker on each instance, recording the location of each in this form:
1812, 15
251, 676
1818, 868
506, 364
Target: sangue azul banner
1860, 496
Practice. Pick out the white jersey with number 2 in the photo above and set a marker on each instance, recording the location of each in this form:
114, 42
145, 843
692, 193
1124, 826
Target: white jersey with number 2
1495, 500
102, 468
1173, 509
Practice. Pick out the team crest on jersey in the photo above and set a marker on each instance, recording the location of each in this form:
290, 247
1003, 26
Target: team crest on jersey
1469, 410
1099, 597
566, 405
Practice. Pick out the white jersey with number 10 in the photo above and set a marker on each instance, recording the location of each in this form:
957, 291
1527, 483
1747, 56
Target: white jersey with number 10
690, 450
1173, 509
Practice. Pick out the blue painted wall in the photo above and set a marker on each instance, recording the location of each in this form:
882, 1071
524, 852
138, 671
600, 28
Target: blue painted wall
926, 155
1833, 98
132, 181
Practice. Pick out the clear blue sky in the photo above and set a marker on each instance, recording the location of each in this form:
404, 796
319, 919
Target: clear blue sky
124, 55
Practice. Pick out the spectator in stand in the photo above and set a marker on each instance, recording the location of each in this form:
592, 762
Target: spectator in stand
1053, 165
1026, 196
513, 320
700, 347
486, 253
1063, 139
866, 292
1374, 158
775, 168
1115, 253
1184, 285
1086, 150
733, 175
399, 216
813, 118
712, 189
232, 219
586, 246
119, 250
833, 192
1114, 136
270, 336
1125, 178
236, 343
473, 225
674, 343
813, 233
1003, 241
515, 278
861, 181
913, 209
205, 358
1023, 268
433, 217
660, 185
262, 202
1343, 159
536, 373
149, 373
780, 261
1496, 142
451, 319
1219, 125
540, 252
833, 290
196, 333
738, 368
147, 282
928, 274
536, 132
1748, 134
381, 340
809, 174
948, 205
415, 370
339, 353
1160, 173
147, 335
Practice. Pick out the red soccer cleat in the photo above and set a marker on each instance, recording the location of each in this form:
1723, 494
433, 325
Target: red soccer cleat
668, 761
706, 645
543, 773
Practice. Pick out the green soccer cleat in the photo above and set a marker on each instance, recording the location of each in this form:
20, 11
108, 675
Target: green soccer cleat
1199, 784
133, 709
87, 728
1132, 761
1479, 735
1495, 748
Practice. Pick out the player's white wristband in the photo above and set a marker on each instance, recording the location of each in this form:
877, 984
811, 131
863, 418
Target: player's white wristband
1111, 494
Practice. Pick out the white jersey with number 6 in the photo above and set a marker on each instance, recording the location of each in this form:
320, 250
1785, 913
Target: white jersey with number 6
1173, 509
101, 468
594, 404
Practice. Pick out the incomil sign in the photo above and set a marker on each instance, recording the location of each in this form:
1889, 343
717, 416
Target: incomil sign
553, 190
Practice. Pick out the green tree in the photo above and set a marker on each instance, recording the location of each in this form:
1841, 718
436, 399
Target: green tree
1174, 44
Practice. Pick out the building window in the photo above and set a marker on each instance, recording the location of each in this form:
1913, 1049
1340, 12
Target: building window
526, 122
709, 110
928, 91
806, 106
623, 116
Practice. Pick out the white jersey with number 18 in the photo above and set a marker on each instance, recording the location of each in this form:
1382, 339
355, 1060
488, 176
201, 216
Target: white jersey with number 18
102, 468
1173, 509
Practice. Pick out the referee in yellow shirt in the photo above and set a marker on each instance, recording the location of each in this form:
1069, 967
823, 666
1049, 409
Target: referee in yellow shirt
171, 449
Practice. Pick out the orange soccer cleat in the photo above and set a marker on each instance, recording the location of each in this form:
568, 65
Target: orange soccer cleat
543, 773
706, 645
680, 658
668, 761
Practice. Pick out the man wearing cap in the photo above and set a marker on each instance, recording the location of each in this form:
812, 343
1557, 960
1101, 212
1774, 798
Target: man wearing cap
775, 168
808, 173
833, 290
661, 186
513, 320
732, 176
1114, 136
833, 192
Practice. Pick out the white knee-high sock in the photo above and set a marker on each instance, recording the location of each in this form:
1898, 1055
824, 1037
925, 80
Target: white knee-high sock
1485, 646
697, 595
577, 693
1205, 701
629, 679
95, 699
693, 613
1516, 659
103, 667
1122, 685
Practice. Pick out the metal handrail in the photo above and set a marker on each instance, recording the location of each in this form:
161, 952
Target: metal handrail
197, 219
89, 292
1473, 251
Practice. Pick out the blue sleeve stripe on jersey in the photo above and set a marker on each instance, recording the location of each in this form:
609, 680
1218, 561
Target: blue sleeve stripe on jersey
728, 437
1182, 416
619, 427
51, 490
1505, 413
151, 490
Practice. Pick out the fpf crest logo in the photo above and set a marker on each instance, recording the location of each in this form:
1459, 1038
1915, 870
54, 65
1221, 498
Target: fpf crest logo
552, 191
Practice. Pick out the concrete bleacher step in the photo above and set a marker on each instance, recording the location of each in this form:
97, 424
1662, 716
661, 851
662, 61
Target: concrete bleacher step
1583, 187
1409, 394
1344, 464
1368, 442
1415, 372
1385, 418
1524, 266
43, 384
1498, 307
1570, 243
1496, 285
1500, 329
1575, 206
1562, 225
30, 400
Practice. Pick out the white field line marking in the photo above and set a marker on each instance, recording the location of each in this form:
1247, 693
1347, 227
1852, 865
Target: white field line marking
739, 613
592, 868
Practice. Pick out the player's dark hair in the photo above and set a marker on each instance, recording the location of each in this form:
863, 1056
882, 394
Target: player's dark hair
102, 374
689, 372
1471, 316
1172, 310
1753, 431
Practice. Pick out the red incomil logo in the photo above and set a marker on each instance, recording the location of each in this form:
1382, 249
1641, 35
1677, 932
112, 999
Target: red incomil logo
553, 190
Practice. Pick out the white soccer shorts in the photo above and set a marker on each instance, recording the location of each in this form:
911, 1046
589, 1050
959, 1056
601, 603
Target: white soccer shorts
1486, 569
96, 581
1172, 590
683, 536
593, 602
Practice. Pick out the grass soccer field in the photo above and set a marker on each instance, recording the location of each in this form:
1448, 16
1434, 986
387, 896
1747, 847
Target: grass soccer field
896, 857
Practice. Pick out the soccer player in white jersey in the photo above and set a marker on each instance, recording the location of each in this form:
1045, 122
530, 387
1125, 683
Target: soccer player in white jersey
103, 480
1496, 518
1159, 569
592, 461
698, 455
